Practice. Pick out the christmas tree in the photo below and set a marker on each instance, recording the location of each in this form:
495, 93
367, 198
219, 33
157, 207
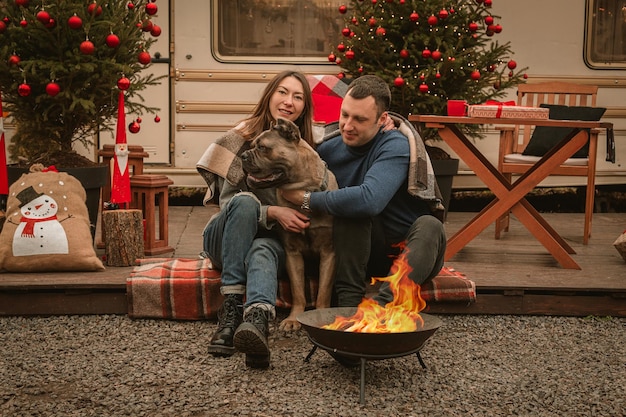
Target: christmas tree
62, 65
429, 51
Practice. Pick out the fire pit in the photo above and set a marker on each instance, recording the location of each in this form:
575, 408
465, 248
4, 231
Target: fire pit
364, 346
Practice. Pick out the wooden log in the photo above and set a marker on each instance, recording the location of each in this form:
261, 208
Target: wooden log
124, 231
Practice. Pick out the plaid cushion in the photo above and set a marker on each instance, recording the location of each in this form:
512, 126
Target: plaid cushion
189, 289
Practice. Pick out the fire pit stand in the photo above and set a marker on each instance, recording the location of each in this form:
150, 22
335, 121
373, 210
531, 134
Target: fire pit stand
363, 359
364, 346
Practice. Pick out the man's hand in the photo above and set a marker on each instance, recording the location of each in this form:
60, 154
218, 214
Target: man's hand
290, 219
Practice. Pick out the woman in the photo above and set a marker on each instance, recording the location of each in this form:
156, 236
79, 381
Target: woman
241, 240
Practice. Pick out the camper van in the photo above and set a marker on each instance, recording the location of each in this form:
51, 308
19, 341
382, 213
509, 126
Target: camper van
219, 55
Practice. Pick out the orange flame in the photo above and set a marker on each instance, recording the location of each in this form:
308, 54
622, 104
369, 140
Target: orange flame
399, 315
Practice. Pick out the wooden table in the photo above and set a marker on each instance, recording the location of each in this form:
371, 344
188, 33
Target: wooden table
511, 196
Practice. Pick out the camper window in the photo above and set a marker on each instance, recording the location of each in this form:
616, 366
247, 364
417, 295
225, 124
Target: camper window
605, 34
275, 30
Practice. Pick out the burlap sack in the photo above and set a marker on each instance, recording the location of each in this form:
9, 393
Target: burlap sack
47, 226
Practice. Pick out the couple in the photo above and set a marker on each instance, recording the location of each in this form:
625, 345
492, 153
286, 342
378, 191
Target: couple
384, 198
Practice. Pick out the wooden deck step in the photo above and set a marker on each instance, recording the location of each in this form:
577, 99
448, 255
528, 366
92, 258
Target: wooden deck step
514, 275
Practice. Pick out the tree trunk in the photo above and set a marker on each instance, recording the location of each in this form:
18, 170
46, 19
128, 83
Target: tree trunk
124, 232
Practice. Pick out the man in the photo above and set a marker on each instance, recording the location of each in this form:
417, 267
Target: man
373, 208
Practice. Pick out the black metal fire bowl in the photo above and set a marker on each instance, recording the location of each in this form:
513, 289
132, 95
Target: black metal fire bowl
364, 345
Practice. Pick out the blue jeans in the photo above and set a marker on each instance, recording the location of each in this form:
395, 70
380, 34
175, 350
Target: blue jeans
250, 259
362, 252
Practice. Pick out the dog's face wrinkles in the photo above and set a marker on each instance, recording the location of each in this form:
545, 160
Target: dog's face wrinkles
270, 158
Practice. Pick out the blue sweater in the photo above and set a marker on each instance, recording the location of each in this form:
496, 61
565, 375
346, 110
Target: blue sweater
372, 181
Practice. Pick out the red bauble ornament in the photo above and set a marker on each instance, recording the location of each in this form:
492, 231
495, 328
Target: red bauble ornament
14, 60
112, 40
341, 75
343, 9
432, 20
423, 88
156, 31
473, 27
23, 90
512, 64
489, 20
22, 3
426, 53
332, 58
146, 25
413, 17
75, 22
338, 61
354, 21
157, 119
488, 3
436, 55
497, 28
151, 9
381, 31
94, 9
475, 75
3, 26
372, 22
138, 120
53, 89
438, 75
130, 5
144, 57
341, 47
87, 47
350, 54
43, 16
398, 82
525, 76
23, 23
51, 23
361, 70
491, 68
345, 32
123, 83
134, 127
404, 54
443, 13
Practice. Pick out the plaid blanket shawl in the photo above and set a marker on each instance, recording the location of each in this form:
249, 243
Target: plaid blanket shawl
189, 289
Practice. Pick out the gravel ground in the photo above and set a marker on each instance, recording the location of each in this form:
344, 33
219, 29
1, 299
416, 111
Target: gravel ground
477, 366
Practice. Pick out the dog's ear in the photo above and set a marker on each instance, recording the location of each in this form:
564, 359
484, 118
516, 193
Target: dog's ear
287, 129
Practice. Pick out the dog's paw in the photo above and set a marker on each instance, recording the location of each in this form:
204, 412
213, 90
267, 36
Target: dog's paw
289, 325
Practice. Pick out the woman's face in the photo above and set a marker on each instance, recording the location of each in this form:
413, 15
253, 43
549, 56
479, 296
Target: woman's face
288, 100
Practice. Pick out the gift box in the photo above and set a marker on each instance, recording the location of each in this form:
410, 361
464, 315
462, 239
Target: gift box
503, 111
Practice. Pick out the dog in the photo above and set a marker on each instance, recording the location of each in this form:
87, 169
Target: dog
280, 158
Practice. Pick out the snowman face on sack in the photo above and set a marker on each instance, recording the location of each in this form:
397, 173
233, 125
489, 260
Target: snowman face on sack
41, 207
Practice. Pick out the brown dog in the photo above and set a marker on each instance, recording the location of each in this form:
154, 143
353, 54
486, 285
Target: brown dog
280, 158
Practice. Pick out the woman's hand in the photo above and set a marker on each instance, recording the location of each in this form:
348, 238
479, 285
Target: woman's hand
291, 220
389, 124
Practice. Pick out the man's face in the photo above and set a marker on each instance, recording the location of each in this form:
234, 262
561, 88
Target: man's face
358, 123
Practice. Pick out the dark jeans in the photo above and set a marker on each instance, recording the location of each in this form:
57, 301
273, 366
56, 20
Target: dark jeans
362, 252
